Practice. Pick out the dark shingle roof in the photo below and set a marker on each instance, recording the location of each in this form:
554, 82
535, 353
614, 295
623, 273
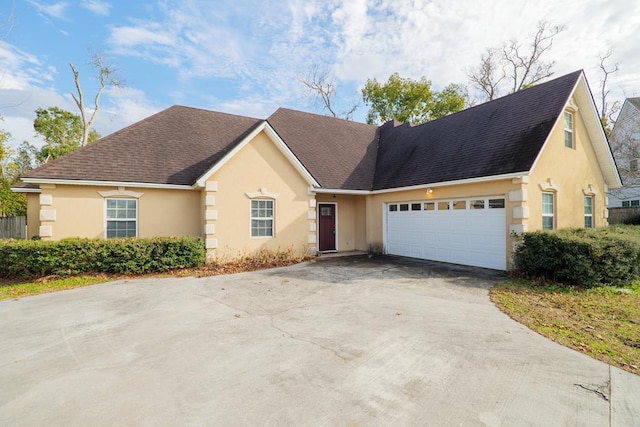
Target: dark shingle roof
178, 145
499, 137
340, 154
175, 146
635, 102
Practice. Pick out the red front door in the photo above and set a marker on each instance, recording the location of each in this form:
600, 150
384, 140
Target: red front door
327, 227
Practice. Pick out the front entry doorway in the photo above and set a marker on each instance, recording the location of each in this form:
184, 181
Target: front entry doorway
327, 227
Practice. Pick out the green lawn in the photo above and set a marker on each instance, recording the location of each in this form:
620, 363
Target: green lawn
19, 289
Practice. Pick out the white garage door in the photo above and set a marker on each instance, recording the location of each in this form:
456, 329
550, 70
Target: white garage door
468, 232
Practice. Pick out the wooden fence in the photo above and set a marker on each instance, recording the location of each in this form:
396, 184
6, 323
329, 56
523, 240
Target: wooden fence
14, 227
626, 215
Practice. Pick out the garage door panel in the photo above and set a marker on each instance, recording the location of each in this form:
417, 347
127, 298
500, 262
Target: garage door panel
466, 236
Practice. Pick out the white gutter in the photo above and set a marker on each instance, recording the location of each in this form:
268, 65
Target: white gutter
423, 186
106, 183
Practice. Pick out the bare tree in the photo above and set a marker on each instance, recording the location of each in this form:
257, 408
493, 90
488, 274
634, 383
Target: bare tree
6, 25
107, 76
608, 110
488, 75
515, 64
320, 83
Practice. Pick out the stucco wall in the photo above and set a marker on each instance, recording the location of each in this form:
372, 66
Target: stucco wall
80, 211
259, 167
351, 219
571, 170
33, 213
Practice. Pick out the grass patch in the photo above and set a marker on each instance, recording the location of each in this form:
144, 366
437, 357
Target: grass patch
19, 289
16, 288
602, 322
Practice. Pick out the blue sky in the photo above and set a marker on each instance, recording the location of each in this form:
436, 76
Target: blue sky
246, 56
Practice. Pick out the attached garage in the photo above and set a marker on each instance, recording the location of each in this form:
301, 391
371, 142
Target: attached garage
460, 231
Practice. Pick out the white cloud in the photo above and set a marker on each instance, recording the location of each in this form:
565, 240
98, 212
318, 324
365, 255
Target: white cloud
20, 69
122, 107
50, 10
97, 6
254, 52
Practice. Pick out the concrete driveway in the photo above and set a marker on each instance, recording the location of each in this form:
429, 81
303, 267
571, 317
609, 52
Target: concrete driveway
337, 342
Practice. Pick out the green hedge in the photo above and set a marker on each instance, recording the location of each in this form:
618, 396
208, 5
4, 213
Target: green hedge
582, 257
29, 258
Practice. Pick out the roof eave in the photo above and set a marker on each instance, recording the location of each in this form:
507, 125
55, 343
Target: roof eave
55, 181
595, 130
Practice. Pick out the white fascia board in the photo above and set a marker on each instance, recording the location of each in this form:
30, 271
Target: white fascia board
106, 183
26, 190
423, 186
264, 126
559, 119
341, 191
595, 131
455, 182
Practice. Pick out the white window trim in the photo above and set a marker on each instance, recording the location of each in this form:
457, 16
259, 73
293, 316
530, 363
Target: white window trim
552, 215
593, 224
106, 219
272, 218
571, 131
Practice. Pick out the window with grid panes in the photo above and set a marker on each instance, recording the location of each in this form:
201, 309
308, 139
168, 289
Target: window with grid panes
122, 218
261, 218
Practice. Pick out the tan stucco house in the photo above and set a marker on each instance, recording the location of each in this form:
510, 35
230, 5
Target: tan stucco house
455, 189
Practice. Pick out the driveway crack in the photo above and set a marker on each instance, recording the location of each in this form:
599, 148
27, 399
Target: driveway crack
596, 389
293, 337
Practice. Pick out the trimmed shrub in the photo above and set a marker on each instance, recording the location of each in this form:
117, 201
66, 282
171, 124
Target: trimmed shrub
29, 258
581, 257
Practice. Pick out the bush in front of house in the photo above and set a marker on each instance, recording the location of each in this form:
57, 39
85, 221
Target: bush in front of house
581, 257
37, 258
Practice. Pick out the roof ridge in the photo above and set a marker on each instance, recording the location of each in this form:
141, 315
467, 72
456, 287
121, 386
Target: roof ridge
503, 98
206, 110
322, 116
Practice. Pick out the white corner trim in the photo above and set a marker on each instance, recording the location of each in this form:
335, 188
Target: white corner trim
273, 135
121, 191
211, 186
521, 212
518, 195
46, 199
211, 215
517, 229
45, 231
262, 193
549, 186
590, 190
47, 215
211, 243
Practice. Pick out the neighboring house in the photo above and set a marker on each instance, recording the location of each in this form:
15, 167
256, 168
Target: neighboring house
625, 144
455, 189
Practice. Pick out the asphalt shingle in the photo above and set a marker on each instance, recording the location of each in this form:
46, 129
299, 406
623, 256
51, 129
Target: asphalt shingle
178, 145
499, 137
175, 146
340, 154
